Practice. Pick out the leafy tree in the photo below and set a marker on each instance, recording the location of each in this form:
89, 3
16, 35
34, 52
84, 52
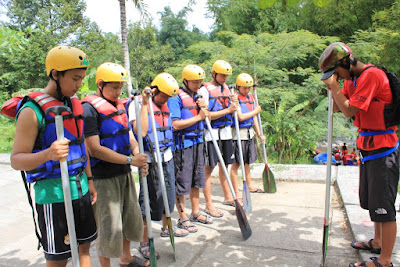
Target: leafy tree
173, 31
148, 57
45, 24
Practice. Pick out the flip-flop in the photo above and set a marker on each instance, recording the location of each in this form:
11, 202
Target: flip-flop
366, 246
228, 203
135, 262
258, 190
214, 213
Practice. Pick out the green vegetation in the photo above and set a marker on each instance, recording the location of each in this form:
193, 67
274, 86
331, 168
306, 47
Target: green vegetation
279, 46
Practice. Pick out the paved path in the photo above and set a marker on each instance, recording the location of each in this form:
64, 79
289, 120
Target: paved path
287, 226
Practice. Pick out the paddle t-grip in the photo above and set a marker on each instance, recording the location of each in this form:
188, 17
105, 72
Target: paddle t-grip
135, 92
58, 110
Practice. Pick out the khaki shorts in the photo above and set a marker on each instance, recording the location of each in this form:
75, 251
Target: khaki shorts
117, 214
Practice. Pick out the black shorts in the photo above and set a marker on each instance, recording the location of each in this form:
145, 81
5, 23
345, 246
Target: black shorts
226, 149
54, 229
248, 149
157, 208
189, 169
379, 179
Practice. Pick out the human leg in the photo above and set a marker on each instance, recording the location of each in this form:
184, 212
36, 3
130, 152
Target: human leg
234, 177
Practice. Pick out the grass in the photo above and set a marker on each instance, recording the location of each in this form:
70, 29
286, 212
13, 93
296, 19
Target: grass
7, 129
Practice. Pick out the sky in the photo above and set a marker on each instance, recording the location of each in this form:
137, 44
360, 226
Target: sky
106, 13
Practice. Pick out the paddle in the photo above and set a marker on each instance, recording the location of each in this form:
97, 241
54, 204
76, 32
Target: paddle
328, 181
267, 174
240, 214
161, 174
246, 191
153, 258
69, 212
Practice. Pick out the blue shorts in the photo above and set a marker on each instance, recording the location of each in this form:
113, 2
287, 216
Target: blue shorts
189, 169
155, 193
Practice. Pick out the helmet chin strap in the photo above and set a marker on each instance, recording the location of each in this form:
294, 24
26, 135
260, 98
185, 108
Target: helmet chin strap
215, 78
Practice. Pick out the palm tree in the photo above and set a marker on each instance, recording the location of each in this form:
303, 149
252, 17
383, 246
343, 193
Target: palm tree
141, 7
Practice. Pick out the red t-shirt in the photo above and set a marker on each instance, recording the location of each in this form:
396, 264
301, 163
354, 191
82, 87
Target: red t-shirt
369, 92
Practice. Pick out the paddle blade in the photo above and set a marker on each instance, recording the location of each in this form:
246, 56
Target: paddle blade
247, 206
242, 220
325, 244
153, 258
268, 180
171, 234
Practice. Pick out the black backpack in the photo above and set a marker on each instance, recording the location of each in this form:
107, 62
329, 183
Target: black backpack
392, 111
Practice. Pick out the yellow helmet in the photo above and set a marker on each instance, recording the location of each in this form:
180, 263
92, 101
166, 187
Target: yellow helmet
222, 67
166, 84
193, 72
63, 58
244, 79
111, 72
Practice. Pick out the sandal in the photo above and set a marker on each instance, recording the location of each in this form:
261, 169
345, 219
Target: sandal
229, 203
191, 228
136, 262
196, 218
373, 259
144, 249
214, 213
257, 190
366, 246
177, 232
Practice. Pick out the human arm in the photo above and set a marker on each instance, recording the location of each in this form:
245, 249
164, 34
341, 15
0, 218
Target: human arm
180, 124
232, 107
143, 112
257, 129
248, 115
27, 129
88, 170
340, 100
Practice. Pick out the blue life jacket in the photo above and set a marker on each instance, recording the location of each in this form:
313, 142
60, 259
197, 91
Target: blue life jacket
114, 131
246, 105
163, 127
189, 110
219, 100
73, 131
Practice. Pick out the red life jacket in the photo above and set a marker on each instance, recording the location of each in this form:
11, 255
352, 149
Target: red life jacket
189, 110
114, 131
246, 105
73, 130
219, 100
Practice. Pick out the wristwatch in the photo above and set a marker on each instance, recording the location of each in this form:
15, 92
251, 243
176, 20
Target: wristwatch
129, 160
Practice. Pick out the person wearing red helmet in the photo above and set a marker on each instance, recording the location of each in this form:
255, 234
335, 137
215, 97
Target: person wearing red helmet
365, 93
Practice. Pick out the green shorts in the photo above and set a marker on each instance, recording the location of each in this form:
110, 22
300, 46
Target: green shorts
117, 214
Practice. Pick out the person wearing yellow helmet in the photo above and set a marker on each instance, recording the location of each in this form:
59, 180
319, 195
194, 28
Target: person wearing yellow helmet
365, 93
248, 127
217, 96
162, 88
111, 146
37, 152
188, 113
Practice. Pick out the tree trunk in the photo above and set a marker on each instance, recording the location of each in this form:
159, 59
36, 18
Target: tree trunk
124, 39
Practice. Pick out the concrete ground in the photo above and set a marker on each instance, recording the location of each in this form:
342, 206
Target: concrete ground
287, 226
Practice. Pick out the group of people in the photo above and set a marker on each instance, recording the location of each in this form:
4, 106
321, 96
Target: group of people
342, 155
101, 146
